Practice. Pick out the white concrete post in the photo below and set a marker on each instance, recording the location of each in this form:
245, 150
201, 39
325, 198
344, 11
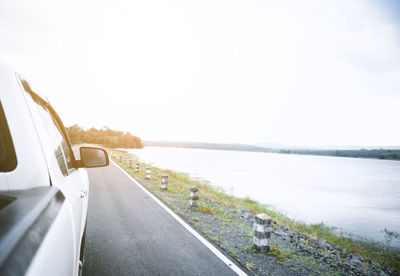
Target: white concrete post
148, 173
130, 163
164, 182
262, 232
137, 167
194, 197
120, 158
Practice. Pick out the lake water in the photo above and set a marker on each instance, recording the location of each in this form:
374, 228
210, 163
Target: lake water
360, 196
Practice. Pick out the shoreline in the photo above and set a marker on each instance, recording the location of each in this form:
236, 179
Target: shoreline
392, 154
356, 196
297, 248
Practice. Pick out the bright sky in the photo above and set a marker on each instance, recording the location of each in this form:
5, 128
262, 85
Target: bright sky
290, 72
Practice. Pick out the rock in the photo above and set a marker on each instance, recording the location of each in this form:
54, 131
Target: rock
350, 256
326, 258
315, 241
247, 215
346, 267
306, 249
357, 262
355, 269
304, 236
280, 234
322, 244
382, 273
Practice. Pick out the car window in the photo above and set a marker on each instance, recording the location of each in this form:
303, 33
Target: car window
8, 159
64, 143
55, 129
56, 139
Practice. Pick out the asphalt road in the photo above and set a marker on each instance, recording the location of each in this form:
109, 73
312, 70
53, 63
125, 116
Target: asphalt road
128, 233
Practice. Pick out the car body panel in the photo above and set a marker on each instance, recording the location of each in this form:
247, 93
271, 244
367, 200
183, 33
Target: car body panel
39, 165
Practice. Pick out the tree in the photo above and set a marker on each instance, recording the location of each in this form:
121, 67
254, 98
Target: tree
104, 136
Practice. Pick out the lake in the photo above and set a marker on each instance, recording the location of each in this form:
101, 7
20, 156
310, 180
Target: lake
360, 196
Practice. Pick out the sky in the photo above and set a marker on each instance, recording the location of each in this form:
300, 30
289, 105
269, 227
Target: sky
304, 73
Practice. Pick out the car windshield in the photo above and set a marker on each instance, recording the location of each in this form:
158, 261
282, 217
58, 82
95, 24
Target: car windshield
8, 160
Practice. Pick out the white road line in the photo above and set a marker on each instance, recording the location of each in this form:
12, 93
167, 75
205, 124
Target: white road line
214, 250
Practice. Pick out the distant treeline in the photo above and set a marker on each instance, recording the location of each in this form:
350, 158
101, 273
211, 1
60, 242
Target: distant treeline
104, 136
214, 146
362, 153
392, 154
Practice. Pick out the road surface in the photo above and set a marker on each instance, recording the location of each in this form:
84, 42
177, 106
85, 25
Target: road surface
128, 233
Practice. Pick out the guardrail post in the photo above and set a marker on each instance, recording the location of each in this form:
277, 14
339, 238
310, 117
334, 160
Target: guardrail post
130, 163
194, 197
148, 173
164, 182
262, 232
120, 158
137, 167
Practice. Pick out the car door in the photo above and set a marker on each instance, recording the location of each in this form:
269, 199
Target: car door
78, 178
59, 157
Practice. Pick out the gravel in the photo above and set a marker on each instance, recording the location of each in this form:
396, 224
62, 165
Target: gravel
293, 252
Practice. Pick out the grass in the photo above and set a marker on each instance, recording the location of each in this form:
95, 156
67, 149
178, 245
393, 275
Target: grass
206, 209
250, 266
281, 254
233, 253
249, 248
211, 197
214, 239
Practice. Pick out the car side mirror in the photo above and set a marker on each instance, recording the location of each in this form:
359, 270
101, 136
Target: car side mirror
93, 157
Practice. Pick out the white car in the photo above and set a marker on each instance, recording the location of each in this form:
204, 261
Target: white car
44, 190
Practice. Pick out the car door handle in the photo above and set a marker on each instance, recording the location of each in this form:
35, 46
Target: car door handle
83, 194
